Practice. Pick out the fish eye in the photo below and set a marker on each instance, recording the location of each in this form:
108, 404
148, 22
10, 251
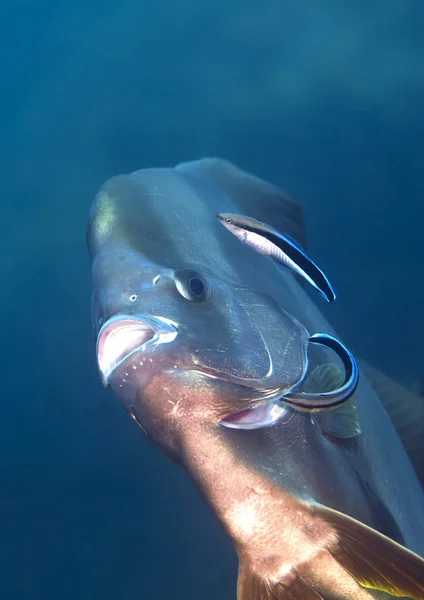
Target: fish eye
191, 285
228, 220
133, 297
197, 286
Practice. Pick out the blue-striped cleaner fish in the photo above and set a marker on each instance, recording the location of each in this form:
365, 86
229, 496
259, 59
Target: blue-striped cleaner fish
198, 336
269, 242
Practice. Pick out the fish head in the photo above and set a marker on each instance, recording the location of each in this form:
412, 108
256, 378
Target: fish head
229, 222
185, 333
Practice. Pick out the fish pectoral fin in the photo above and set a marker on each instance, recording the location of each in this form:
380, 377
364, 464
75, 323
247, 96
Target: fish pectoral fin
342, 422
374, 560
324, 378
251, 586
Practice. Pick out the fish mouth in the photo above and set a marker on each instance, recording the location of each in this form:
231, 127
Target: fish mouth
122, 336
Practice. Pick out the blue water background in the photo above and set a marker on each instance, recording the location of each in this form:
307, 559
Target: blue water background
324, 98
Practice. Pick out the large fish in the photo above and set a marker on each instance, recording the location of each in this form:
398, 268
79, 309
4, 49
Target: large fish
198, 335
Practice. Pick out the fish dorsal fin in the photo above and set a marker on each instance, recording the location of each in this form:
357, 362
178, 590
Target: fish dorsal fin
255, 197
406, 410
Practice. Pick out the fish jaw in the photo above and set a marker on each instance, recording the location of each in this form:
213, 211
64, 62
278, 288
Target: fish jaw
147, 364
123, 335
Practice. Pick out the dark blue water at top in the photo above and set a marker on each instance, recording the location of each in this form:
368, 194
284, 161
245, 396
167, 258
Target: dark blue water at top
324, 99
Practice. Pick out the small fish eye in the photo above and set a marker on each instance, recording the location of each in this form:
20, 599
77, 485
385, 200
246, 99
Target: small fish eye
191, 285
133, 297
228, 220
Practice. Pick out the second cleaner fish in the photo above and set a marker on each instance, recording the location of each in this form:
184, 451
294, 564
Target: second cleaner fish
271, 243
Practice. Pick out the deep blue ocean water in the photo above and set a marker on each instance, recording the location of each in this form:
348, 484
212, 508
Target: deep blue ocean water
325, 99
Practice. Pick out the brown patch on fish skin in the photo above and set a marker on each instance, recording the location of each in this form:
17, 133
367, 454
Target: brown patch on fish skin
288, 548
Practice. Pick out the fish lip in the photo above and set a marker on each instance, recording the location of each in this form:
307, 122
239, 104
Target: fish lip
129, 334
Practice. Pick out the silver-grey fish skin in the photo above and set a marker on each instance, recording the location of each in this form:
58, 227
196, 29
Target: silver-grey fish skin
193, 363
141, 239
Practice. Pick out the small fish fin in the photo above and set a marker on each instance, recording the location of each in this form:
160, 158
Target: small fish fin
251, 586
374, 560
406, 410
256, 197
342, 422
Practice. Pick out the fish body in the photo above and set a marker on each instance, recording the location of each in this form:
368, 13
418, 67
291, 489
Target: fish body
194, 329
269, 242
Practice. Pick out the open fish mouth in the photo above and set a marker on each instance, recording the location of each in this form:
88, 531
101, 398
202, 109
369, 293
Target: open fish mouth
122, 336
